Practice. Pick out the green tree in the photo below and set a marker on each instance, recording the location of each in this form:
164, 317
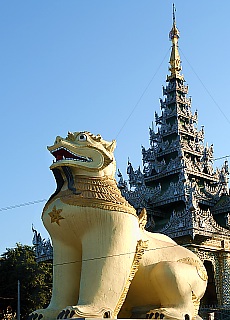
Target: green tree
35, 280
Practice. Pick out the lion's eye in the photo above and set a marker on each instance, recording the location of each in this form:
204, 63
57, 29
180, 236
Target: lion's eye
82, 137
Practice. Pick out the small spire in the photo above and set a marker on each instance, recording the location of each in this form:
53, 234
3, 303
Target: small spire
174, 33
175, 62
174, 18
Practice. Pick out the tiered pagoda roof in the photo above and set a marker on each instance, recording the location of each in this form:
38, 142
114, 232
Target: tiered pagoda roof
179, 187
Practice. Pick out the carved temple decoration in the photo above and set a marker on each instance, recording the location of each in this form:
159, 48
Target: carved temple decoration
43, 248
185, 197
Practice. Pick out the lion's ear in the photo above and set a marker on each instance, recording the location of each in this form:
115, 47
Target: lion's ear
112, 146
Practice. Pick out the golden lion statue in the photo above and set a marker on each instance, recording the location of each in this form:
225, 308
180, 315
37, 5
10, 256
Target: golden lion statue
105, 264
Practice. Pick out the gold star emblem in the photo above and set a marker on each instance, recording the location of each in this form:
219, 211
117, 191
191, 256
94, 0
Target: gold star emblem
55, 215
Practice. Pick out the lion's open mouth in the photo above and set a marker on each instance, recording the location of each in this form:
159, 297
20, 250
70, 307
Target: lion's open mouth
64, 154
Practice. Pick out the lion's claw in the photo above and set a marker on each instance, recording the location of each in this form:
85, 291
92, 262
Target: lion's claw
72, 314
34, 316
61, 314
152, 315
67, 314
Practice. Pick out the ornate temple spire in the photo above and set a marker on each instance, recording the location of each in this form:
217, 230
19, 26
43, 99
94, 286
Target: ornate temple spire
175, 62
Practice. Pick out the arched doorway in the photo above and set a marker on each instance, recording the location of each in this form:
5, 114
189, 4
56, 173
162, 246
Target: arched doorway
210, 296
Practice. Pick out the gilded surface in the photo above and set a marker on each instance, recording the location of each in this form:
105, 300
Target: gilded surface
142, 219
140, 249
196, 303
96, 193
55, 215
199, 267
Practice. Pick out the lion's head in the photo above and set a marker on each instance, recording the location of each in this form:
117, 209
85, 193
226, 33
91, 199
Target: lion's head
85, 165
85, 153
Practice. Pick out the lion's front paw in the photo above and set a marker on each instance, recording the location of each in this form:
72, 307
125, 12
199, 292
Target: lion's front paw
84, 311
43, 314
35, 316
167, 314
154, 315
67, 313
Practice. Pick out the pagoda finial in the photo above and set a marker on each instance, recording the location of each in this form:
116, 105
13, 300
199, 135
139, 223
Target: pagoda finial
175, 63
174, 10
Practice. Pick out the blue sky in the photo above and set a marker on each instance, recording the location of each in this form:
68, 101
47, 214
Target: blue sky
84, 65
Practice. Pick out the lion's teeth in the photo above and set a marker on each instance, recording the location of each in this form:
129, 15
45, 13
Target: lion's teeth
76, 157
